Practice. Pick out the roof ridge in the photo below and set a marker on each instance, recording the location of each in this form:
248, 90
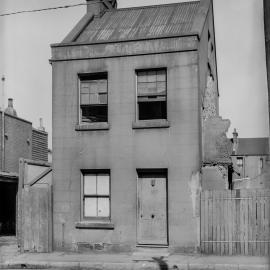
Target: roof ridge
152, 6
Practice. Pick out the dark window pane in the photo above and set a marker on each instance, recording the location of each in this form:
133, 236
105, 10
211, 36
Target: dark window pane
152, 110
94, 113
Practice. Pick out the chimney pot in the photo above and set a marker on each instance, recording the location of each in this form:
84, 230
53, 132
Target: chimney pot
10, 102
235, 142
41, 124
10, 110
235, 134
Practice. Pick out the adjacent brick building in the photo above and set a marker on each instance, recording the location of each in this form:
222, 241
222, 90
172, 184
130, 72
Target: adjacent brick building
132, 89
18, 140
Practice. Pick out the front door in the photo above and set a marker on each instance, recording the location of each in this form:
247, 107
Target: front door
152, 210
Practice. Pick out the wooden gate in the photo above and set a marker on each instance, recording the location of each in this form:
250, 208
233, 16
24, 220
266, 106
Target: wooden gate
34, 228
36, 218
235, 222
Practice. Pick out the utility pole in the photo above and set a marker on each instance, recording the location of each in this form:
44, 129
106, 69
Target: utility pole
3, 125
266, 7
3, 93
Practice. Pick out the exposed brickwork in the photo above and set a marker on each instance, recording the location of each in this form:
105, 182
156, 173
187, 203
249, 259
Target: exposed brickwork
21, 141
18, 141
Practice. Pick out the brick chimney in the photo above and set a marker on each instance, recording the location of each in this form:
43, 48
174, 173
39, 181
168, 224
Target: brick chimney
10, 110
235, 142
98, 7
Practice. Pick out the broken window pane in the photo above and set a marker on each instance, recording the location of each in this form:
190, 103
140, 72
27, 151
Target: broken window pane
95, 113
152, 110
94, 98
151, 88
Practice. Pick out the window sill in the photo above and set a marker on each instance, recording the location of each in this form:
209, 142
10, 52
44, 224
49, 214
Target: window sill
94, 225
142, 124
92, 126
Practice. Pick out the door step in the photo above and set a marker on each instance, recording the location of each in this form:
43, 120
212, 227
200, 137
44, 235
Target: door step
148, 253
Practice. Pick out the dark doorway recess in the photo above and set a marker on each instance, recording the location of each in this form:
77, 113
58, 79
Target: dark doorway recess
8, 193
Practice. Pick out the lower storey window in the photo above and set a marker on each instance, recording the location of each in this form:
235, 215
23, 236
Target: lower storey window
96, 195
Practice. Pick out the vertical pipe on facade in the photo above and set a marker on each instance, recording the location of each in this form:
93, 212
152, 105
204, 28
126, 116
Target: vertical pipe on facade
3, 126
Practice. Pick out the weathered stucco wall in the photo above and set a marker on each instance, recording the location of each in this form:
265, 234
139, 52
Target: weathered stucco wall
214, 178
123, 149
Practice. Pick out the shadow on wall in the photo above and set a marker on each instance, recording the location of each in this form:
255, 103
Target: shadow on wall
162, 264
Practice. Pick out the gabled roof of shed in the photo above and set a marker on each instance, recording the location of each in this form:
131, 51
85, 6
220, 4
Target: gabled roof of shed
137, 23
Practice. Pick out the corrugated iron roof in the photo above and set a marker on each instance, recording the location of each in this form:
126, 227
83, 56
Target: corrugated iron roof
251, 146
141, 22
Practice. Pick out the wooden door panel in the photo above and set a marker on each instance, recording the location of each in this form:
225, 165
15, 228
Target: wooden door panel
152, 211
36, 211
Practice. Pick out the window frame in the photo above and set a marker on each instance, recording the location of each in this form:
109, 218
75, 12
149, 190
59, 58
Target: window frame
82, 77
137, 95
83, 196
237, 163
261, 163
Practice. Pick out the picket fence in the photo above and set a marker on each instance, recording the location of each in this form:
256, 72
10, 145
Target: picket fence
235, 222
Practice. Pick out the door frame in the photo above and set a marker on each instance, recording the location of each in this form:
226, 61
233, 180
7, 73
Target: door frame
163, 172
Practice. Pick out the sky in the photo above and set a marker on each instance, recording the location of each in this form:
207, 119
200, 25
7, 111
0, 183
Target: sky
25, 53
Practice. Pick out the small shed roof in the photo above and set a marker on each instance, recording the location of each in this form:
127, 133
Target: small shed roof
178, 19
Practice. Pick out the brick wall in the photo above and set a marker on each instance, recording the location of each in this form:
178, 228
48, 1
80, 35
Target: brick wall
21, 141
18, 142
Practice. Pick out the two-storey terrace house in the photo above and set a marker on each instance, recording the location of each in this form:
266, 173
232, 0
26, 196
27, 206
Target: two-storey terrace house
129, 93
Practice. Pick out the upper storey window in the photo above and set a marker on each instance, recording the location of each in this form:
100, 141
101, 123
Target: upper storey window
94, 98
151, 94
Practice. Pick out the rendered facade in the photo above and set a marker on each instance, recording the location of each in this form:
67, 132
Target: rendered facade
131, 91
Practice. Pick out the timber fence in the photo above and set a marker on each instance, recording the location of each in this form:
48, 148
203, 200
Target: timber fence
235, 222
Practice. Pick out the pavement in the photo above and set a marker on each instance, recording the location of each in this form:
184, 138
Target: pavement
68, 261
10, 258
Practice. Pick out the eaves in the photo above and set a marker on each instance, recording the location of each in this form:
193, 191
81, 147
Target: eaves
109, 49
